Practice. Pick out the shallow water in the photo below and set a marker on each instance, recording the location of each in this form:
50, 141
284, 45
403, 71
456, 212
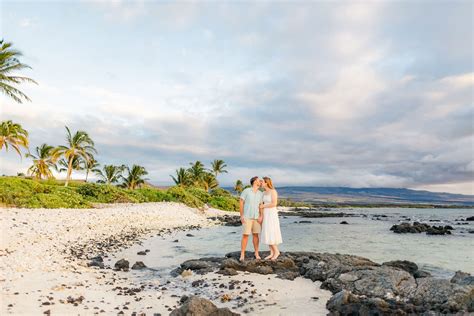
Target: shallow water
364, 236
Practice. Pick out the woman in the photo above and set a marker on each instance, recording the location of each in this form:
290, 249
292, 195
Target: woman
271, 234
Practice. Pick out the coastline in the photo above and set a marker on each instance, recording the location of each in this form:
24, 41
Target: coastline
45, 253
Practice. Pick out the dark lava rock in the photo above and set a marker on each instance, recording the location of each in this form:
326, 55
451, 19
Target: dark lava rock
344, 223
138, 265
97, 261
417, 227
408, 266
230, 220
189, 235
363, 287
122, 264
304, 222
462, 278
75, 300
289, 275
141, 253
470, 218
195, 305
227, 271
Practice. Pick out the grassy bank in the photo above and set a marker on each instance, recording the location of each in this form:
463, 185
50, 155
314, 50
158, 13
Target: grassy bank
28, 193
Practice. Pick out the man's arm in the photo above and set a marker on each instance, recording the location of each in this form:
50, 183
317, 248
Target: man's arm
241, 210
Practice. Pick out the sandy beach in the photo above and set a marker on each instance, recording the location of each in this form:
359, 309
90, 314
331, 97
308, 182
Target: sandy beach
44, 255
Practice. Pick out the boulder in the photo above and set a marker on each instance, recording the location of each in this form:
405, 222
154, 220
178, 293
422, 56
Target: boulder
122, 264
470, 219
139, 265
462, 278
408, 266
195, 305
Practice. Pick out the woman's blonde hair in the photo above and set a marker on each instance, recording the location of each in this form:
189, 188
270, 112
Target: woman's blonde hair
269, 182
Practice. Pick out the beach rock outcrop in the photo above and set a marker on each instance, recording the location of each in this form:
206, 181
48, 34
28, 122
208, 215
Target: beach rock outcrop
470, 218
122, 264
139, 265
361, 286
417, 227
195, 305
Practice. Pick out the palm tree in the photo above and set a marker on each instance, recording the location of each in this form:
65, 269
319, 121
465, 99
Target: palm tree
91, 165
196, 172
63, 164
239, 186
110, 174
134, 177
12, 134
9, 63
218, 166
182, 177
209, 181
80, 146
43, 162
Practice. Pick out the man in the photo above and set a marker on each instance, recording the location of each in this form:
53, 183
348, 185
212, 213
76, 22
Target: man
251, 216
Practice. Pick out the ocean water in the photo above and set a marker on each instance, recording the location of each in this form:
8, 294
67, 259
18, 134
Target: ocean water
365, 236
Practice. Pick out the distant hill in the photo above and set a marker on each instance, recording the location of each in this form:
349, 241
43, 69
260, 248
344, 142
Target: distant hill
343, 195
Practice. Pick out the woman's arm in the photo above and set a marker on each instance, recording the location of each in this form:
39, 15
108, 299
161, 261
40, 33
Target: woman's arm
274, 200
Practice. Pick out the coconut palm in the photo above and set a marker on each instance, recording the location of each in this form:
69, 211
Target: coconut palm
196, 172
209, 181
182, 177
218, 166
10, 63
110, 174
43, 162
63, 164
91, 165
239, 186
134, 177
14, 135
80, 146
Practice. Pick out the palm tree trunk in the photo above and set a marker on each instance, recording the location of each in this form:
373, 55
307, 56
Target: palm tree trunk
69, 171
87, 173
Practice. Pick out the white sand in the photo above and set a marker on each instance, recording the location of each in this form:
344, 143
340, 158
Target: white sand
35, 270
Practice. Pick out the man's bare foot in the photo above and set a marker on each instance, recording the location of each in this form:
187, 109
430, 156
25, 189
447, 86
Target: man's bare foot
242, 259
275, 256
269, 256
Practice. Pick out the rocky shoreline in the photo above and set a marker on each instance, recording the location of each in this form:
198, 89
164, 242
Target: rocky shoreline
359, 285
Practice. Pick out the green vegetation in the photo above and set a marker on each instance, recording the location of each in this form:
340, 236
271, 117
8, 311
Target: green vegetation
9, 63
35, 193
14, 135
198, 176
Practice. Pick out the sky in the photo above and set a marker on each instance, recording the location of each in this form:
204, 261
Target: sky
324, 93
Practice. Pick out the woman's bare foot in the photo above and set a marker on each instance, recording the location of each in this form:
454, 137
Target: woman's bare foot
269, 256
257, 257
275, 256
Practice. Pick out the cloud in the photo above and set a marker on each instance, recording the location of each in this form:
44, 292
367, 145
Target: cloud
360, 94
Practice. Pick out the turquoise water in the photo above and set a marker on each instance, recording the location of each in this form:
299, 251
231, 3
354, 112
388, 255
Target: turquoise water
364, 236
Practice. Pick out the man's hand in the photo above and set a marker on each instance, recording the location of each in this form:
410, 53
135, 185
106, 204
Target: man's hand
260, 220
242, 220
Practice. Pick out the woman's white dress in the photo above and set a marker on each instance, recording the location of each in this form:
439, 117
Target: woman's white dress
271, 234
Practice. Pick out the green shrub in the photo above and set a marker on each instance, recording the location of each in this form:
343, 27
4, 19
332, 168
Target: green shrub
199, 193
153, 195
183, 196
33, 194
59, 199
220, 192
103, 193
226, 203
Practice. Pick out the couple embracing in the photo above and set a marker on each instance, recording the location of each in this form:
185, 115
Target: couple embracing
259, 217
